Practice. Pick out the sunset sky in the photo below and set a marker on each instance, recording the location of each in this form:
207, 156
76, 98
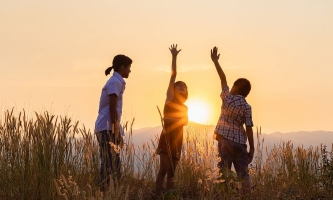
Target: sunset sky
53, 55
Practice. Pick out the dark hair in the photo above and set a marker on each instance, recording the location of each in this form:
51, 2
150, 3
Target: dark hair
182, 83
243, 86
118, 61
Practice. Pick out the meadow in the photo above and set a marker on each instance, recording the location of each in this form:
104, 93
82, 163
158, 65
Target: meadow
44, 156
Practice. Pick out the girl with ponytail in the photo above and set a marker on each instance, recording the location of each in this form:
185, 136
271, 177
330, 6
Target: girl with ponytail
107, 125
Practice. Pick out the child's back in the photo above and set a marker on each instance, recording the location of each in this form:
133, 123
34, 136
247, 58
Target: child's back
235, 113
229, 132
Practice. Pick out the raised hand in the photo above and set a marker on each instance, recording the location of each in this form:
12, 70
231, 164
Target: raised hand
215, 58
213, 54
170, 91
173, 50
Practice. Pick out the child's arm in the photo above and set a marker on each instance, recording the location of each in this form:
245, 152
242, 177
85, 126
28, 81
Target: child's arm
249, 133
113, 99
170, 91
215, 58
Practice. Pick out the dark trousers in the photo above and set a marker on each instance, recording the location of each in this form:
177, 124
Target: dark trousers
110, 157
233, 153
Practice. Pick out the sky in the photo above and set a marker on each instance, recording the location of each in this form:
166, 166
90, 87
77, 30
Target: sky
53, 55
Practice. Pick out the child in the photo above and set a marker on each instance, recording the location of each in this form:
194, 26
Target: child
107, 128
175, 117
229, 131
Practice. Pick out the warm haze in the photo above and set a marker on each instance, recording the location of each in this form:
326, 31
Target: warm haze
53, 55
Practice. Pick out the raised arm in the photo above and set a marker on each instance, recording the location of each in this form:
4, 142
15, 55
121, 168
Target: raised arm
170, 91
215, 58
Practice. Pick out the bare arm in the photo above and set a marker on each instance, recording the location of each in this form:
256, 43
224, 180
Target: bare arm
170, 91
113, 112
215, 58
249, 133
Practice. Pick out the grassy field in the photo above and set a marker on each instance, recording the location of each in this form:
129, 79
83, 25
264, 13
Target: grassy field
43, 156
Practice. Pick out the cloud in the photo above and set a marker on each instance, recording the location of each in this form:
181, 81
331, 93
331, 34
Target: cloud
188, 68
184, 68
232, 67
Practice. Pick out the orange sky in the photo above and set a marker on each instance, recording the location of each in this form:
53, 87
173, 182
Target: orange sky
53, 55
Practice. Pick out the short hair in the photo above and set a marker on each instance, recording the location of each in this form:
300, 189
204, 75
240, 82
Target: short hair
243, 86
182, 83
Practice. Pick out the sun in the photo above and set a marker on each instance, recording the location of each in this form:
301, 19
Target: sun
198, 111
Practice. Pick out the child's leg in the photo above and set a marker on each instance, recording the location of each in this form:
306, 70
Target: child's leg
246, 185
241, 166
116, 162
105, 157
164, 163
171, 173
225, 153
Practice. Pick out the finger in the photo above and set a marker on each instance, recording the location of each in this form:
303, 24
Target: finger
218, 56
176, 46
179, 50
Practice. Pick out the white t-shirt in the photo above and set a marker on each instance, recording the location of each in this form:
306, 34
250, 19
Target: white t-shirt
115, 85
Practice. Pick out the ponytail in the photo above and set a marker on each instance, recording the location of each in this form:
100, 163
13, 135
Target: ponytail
118, 61
108, 70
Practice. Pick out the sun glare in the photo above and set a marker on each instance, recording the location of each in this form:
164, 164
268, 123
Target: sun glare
197, 111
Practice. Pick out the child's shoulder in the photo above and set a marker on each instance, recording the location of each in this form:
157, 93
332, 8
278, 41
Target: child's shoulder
246, 104
113, 80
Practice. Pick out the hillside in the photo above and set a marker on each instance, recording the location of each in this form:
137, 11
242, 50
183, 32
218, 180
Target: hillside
305, 138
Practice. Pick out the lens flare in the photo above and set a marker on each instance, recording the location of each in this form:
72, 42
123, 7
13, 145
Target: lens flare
198, 111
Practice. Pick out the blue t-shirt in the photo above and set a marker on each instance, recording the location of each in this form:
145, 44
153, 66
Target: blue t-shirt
115, 85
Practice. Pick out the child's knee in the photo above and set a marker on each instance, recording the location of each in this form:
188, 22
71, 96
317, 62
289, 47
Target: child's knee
244, 175
162, 172
170, 173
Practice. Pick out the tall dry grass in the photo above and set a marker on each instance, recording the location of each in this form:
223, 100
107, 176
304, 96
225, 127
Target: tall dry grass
36, 149
52, 157
290, 172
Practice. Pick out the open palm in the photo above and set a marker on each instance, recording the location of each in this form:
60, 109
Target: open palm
173, 50
213, 54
